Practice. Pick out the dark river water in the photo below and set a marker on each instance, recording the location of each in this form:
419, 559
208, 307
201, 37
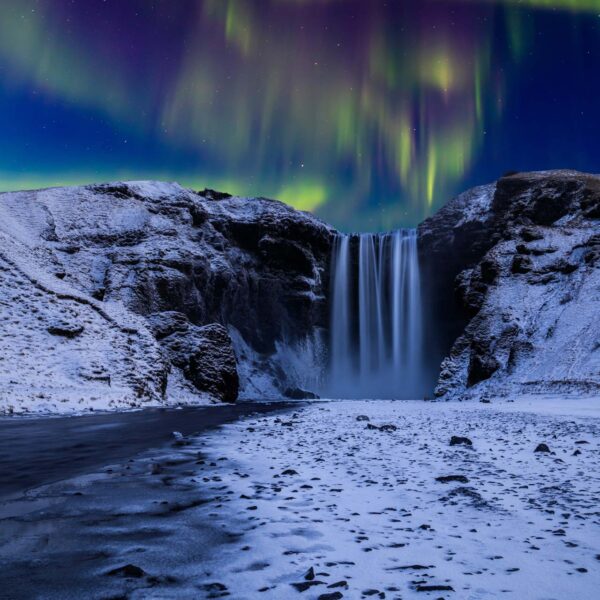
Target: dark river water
35, 451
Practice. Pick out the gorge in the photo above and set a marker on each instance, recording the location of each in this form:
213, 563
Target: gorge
145, 302
132, 294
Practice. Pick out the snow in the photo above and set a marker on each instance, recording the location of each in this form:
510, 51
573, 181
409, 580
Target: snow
475, 204
246, 510
105, 249
363, 506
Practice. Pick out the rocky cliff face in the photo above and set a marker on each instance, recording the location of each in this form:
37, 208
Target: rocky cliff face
147, 288
522, 260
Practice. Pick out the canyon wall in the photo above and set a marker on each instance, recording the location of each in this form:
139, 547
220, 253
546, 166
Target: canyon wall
132, 293
513, 271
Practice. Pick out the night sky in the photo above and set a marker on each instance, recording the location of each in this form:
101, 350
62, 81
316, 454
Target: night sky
370, 113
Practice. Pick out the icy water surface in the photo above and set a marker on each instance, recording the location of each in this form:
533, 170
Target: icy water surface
40, 450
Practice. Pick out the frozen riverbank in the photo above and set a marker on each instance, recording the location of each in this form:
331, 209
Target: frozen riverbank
252, 510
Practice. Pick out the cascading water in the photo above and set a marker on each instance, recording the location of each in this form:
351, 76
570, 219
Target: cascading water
376, 348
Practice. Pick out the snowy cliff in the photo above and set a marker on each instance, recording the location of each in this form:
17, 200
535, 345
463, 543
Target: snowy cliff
126, 294
523, 257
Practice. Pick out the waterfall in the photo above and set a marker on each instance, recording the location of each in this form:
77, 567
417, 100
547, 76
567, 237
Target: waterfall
376, 348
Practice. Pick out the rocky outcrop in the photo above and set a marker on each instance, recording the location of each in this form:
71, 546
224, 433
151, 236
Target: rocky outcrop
205, 354
522, 260
202, 281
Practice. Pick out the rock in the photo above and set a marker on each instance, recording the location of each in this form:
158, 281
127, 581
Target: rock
362, 418
452, 478
387, 427
299, 394
435, 588
289, 472
204, 354
129, 571
512, 270
542, 448
458, 441
302, 586
212, 367
521, 264
68, 330
331, 596
310, 574
144, 256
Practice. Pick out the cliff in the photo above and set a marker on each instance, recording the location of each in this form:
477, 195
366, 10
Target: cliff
515, 269
127, 294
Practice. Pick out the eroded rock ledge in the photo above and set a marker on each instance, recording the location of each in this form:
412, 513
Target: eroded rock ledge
522, 259
130, 293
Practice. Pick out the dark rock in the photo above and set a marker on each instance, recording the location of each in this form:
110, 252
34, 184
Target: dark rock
212, 368
481, 367
129, 571
521, 264
289, 472
65, 329
477, 254
452, 478
299, 394
310, 574
331, 596
530, 235
435, 588
214, 195
388, 427
542, 448
458, 441
362, 418
302, 586
204, 354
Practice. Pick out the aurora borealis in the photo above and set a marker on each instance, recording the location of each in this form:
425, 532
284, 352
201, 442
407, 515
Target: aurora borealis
371, 113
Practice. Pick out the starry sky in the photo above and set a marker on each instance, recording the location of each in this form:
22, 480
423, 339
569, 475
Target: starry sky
370, 113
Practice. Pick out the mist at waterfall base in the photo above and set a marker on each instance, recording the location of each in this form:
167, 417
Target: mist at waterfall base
376, 347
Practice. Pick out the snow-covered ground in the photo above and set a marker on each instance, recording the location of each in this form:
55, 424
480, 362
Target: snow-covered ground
322, 490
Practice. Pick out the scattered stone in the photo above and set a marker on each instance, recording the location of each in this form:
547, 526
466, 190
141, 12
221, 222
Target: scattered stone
332, 596
362, 418
302, 586
452, 478
338, 584
460, 441
290, 472
309, 575
542, 448
386, 427
67, 330
435, 588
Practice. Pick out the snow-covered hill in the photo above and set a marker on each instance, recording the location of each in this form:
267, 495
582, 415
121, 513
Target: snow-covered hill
523, 256
118, 295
